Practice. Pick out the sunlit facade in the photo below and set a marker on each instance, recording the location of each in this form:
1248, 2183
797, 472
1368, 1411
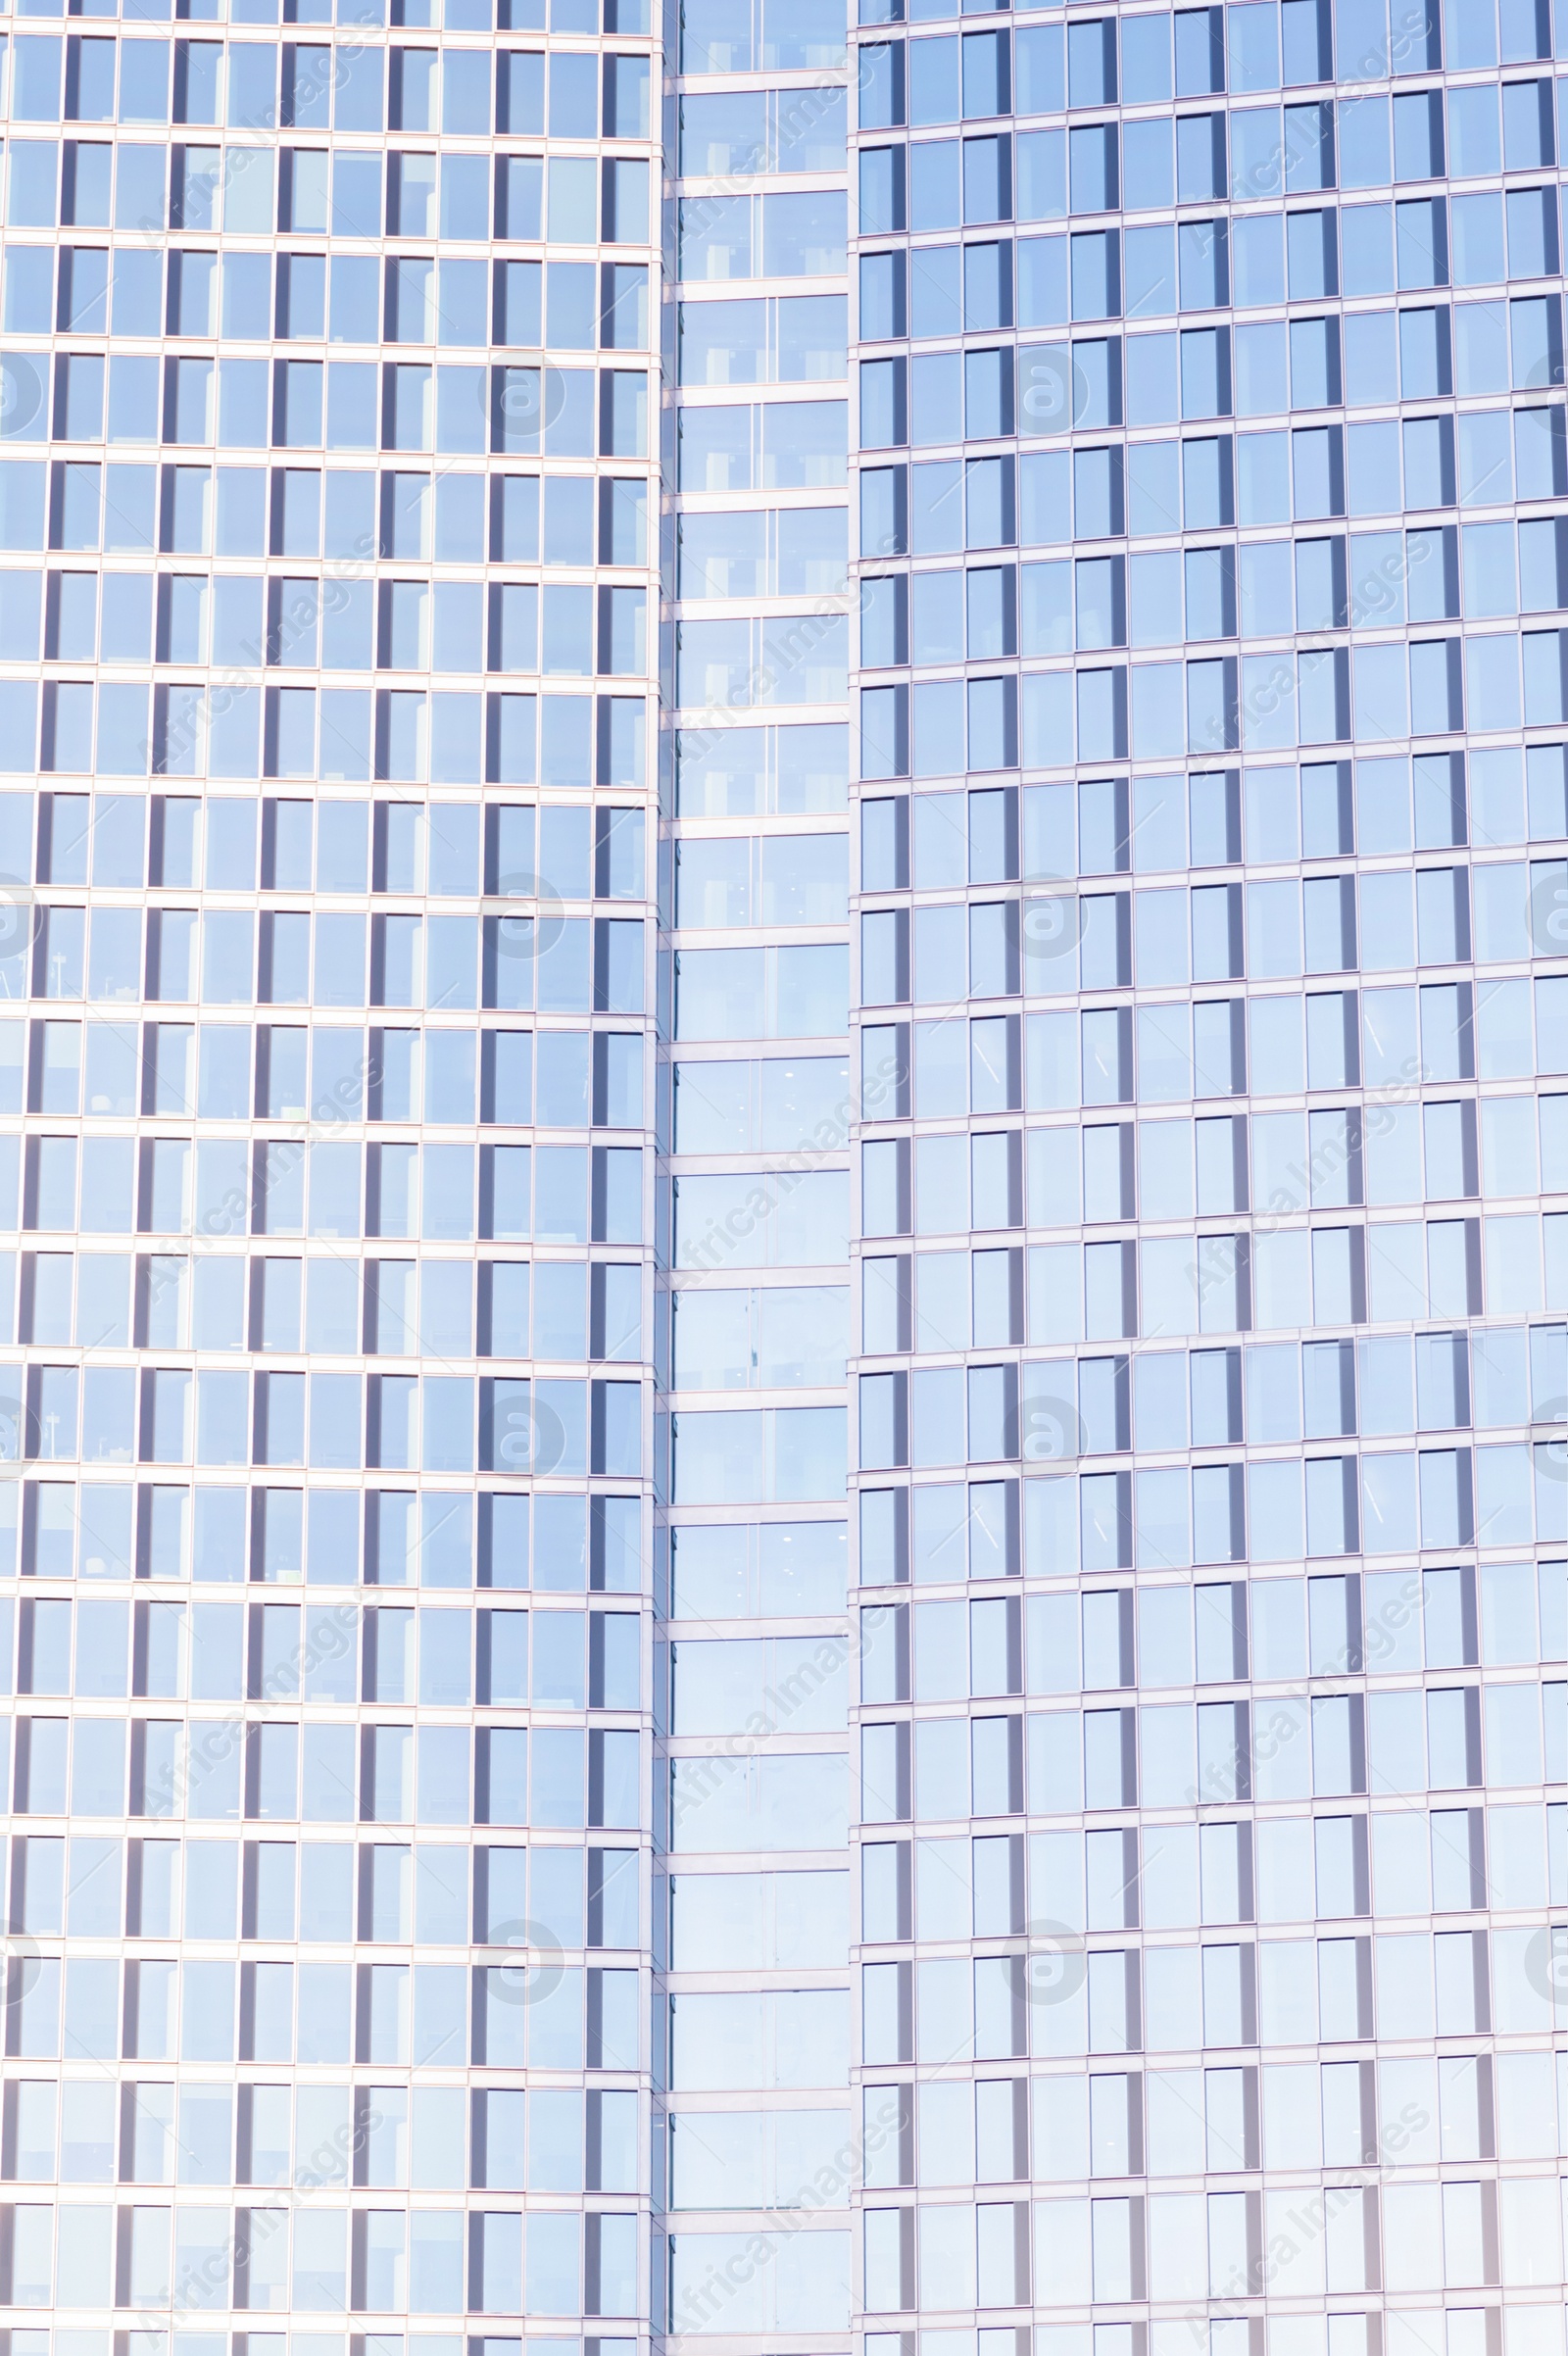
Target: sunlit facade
784, 874
328, 1087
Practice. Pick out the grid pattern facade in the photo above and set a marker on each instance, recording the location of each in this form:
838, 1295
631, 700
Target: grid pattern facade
1208, 419
327, 1089
864, 1068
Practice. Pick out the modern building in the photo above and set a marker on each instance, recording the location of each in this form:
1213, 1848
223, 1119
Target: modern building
784, 881
1207, 1345
328, 1089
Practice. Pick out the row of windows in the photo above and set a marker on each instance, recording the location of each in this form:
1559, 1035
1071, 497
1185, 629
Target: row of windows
1222, 1277
572, 964
950, 1650
1205, 483
1266, 1628
762, 879
494, 739
1265, 257
1184, 1051
772, 1456
1176, 1286
207, 189
273, 1889
1155, 487
963, 1300
582, 1195
1318, 1160
778, 1338
455, 15
756, 552
1196, 373
394, 2261
568, 1205
740, 771
392, 1308
1177, 1997
778, 236
89, 183
1322, 1161
329, 1536
373, 2026
1163, 823
562, 1663
1175, 1755
1100, 274
1260, 42
924, 1533
772, 445
1221, 1873
1275, 701
950, 1768
564, 1426
348, 1773
1294, 150
779, 339
476, 303
1266, 588
592, 96
749, 131
456, 628
783, 659
921, 1068
358, 625
399, 846
784, 993
982, 842
1183, 2122
1182, 937
1331, 1161
770, 1106
394, 407
1192, 2248
559, 1080
471, 518
717, 37
561, 2140
929, 1307
1403, 1622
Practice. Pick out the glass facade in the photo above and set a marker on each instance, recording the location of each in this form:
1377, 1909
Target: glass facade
1205, 1491
327, 1081
904, 928
1209, 1509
